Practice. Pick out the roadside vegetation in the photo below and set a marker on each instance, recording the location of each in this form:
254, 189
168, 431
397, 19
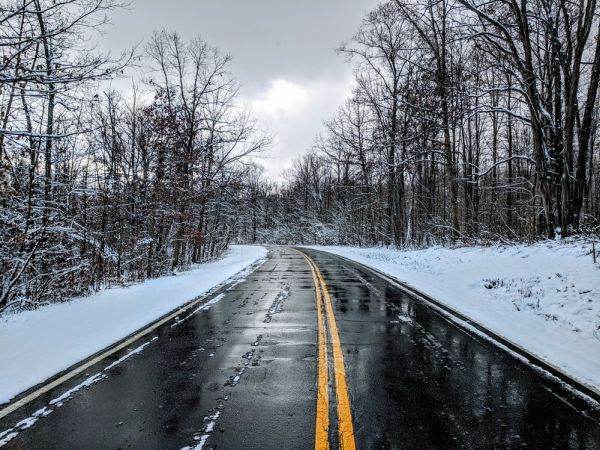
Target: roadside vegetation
98, 186
469, 121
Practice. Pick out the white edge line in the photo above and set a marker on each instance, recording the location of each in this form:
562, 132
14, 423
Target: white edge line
47, 387
526, 353
453, 318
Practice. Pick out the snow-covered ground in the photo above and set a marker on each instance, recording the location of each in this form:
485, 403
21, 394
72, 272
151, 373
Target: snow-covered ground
34, 345
544, 297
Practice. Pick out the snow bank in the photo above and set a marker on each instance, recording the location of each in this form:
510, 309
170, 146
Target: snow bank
35, 345
544, 297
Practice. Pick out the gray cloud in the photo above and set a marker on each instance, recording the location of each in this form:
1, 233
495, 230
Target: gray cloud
273, 42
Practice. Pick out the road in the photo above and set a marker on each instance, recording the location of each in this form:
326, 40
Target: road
263, 367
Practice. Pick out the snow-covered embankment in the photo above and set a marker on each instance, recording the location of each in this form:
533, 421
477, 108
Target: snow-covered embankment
34, 345
544, 297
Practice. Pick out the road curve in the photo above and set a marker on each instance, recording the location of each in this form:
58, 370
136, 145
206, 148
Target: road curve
309, 351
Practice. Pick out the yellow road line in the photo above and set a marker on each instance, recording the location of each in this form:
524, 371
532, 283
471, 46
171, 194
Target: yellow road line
344, 413
322, 421
345, 425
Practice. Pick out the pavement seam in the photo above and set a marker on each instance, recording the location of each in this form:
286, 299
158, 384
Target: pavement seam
344, 412
322, 416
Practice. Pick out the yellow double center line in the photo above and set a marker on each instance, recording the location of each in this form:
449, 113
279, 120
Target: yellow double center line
344, 414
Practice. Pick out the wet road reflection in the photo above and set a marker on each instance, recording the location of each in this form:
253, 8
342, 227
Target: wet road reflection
242, 374
417, 381
247, 362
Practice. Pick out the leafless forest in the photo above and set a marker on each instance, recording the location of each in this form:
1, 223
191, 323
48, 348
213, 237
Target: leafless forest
469, 121
95, 189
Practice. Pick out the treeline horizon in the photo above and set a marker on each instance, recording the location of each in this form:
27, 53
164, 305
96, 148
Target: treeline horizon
469, 121
97, 189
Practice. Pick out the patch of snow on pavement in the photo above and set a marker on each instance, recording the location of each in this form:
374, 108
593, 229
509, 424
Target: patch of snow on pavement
35, 345
58, 401
207, 431
67, 395
7, 436
544, 297
204, 307
135, 351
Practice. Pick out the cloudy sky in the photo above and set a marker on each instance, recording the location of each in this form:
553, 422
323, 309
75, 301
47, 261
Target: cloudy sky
283, 55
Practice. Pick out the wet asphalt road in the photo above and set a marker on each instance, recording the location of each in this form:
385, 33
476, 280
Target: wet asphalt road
243, 374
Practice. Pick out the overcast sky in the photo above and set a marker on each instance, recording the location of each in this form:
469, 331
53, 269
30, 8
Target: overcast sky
283, 55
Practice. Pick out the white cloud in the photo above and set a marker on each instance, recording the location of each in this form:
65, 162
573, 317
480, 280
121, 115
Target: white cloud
294, 112
281, 98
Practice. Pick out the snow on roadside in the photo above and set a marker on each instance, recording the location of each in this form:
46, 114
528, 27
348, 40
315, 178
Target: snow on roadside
544, 297
34, 345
